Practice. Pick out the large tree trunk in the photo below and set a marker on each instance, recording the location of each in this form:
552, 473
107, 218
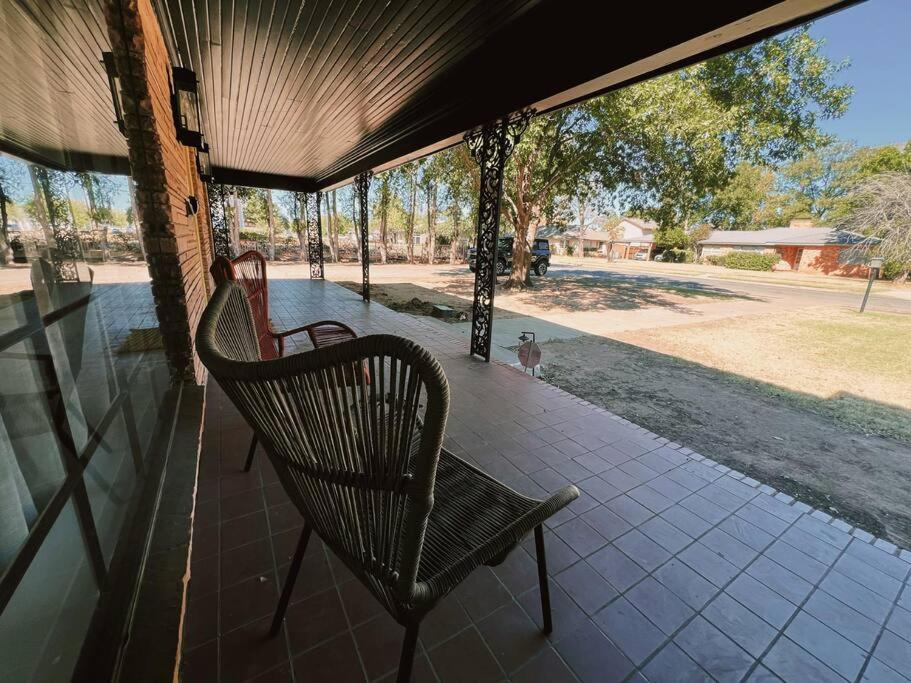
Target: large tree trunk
331, 229
384, 221
409, 232
5, 250
41, 210
520, 276
300, 228
89, 192
235, 221
270, 217
454, 241
137, 223
357, 228
431, 222
336, 256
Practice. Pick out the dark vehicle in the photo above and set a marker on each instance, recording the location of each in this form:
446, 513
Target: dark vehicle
540, 256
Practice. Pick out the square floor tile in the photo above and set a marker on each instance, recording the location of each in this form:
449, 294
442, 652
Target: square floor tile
740, 624
659, 604
628, 628
714, 651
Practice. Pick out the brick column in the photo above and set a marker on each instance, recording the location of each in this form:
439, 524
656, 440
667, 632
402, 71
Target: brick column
177, 246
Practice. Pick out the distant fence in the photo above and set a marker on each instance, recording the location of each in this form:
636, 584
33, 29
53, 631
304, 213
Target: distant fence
289, 249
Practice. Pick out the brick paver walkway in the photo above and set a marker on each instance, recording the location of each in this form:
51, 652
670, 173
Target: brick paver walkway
669, 567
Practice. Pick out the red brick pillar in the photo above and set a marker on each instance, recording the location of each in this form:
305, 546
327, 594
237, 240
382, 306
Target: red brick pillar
177, 246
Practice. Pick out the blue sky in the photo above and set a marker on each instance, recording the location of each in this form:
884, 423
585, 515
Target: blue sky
874, 36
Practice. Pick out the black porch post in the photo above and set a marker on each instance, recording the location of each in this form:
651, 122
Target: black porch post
362, 187
490, 146
314, 236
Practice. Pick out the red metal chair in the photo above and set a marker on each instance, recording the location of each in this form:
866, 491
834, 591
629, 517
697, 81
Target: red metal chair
249, 269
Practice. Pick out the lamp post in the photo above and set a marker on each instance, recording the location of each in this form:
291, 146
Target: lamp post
875, 264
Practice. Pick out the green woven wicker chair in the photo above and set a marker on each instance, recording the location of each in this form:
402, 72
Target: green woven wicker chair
363, 462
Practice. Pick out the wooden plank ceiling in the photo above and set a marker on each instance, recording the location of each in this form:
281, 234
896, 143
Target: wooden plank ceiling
55, 105
302, 94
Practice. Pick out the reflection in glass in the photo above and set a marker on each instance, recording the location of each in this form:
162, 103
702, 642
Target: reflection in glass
82, 378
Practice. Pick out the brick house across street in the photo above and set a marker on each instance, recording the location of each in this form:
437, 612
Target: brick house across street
820, 250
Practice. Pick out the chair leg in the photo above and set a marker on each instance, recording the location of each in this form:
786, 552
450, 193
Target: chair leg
407, 659
249, 463
289, 580
542, 578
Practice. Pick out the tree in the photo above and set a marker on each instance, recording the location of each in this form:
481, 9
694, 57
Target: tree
460, 179
882, 209
668, 144
410, 173
384, 196
270, 218
555, 151
431, 176
745, 202
10, 181
687, 132
294, 204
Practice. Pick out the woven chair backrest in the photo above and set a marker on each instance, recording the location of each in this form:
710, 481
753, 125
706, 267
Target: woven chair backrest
249, 269
357, 456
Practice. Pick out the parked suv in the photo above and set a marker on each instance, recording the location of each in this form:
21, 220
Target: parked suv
540, 256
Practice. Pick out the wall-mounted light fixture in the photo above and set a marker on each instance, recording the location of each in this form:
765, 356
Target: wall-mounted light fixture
203, 163
107, 59
191, 204
185, 104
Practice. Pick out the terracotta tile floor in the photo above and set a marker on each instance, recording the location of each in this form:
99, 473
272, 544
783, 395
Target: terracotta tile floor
668, 567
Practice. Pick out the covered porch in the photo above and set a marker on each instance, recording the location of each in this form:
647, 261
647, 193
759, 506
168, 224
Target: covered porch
668, 567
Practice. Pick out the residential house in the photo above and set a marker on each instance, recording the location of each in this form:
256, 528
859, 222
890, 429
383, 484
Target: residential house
629, 236
822, 250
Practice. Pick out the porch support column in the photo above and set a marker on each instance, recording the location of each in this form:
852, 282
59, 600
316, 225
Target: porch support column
314, 235
362, 187
490, 146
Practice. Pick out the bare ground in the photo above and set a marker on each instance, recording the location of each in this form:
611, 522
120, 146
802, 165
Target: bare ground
860, 477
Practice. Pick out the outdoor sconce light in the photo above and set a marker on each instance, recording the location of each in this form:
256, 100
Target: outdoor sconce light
191, 205
203, 163
107, 59
185, 103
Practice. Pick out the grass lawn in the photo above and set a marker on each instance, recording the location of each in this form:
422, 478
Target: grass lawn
850, 367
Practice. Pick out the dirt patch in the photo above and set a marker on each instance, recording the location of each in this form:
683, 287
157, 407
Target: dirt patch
417, 300
857, 476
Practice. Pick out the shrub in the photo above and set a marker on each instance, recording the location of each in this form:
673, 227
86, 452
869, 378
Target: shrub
570, 249
716, 259
748, 260
677, 256
252, 235
891, 270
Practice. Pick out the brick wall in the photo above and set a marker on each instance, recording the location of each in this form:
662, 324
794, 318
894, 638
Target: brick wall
825, 260
178, 246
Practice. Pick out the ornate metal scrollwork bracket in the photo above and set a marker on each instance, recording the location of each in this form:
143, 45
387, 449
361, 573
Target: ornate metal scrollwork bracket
221, 224
490, 146
362, 187
314, 235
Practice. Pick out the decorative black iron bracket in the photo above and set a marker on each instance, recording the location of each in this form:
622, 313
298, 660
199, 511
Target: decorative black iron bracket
314, 235
490, 146
220, 220
362, 187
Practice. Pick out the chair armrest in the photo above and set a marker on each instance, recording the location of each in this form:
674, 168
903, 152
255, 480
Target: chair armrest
311, 326
312, 329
